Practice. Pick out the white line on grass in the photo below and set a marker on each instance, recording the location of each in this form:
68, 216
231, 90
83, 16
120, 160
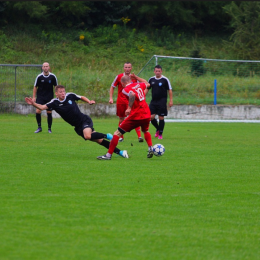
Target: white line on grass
209, 121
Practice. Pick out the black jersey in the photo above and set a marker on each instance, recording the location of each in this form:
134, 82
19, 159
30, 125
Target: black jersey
45, 85
67, 108
159, 87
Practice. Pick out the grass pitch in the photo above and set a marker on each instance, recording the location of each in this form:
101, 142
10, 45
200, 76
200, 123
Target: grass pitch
200, 200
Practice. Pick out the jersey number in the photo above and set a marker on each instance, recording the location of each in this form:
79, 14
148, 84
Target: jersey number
140, 94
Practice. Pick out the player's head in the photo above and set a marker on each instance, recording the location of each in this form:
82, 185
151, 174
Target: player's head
158, 71
60, 92
127, 68
45, 67
125, 80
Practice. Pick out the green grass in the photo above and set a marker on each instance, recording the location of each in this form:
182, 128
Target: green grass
200, 200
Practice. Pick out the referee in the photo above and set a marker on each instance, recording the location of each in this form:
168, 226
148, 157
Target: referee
43, 89
160, 86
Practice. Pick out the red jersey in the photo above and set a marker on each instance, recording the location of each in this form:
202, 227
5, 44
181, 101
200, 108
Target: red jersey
121, 98
140, 109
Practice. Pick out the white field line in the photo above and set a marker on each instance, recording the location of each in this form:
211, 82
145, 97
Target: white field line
209, 121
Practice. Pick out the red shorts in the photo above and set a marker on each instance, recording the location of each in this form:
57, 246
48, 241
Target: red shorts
120, 110
128, 125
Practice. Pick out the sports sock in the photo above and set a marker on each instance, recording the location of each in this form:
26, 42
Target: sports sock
148, 138
113, 144
49, 120
155, 123
161, 126
106, 144
121, 135
39, 119
138, 131
97, 135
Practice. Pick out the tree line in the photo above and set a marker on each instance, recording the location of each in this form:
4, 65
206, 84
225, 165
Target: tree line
143, 15
241, 19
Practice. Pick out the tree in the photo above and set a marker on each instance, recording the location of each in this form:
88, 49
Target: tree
245, 20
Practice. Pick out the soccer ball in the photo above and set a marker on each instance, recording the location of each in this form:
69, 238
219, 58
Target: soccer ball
158, 150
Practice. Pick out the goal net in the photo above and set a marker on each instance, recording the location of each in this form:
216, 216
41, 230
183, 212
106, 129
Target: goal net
193, 80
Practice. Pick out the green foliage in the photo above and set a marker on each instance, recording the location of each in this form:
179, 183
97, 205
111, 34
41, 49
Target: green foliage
197, 68
165, 37
33, 9
71, 13
51, 37
180, 16
245, 19
4, 42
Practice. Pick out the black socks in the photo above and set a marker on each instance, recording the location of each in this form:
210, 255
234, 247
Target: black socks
155, 123
49, 120
39, 119
161, 126
106, 143
97, 135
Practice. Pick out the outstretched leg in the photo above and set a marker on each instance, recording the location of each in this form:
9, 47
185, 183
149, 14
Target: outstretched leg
99, 138
112, 147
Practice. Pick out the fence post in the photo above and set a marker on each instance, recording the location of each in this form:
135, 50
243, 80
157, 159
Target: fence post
15, 88
215, 92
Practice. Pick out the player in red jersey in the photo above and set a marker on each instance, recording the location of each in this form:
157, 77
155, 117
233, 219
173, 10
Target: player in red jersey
138, 114
122, 101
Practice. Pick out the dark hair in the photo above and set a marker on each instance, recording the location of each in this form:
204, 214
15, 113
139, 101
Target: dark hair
58, 86
158, 67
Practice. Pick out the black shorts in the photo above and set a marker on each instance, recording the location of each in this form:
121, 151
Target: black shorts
159, 107
43, 101
86, 122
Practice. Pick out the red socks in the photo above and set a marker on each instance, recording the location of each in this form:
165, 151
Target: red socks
148, 138
113, 144
138, 131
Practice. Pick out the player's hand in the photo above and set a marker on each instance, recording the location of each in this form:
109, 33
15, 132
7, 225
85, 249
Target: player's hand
34, 99
29, 100
132, 76
170, 103
91, 102
111, 101
127, 112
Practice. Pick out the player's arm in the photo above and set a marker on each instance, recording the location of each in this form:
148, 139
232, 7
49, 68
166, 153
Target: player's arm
31, 102
146, 90
34, 93
87, 100
170, 95
131, 102
111, 92
133, 76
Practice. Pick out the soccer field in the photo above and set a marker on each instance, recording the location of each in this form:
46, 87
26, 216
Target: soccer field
200, 200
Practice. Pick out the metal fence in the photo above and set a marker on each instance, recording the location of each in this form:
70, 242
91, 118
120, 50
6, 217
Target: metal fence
16, 82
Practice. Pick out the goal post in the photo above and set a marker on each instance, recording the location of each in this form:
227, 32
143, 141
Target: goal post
193, 79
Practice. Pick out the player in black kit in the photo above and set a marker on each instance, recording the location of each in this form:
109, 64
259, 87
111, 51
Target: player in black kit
65, 105
43, 88
160, 85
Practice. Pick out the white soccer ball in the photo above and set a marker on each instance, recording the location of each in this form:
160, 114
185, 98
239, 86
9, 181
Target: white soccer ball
158, 150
